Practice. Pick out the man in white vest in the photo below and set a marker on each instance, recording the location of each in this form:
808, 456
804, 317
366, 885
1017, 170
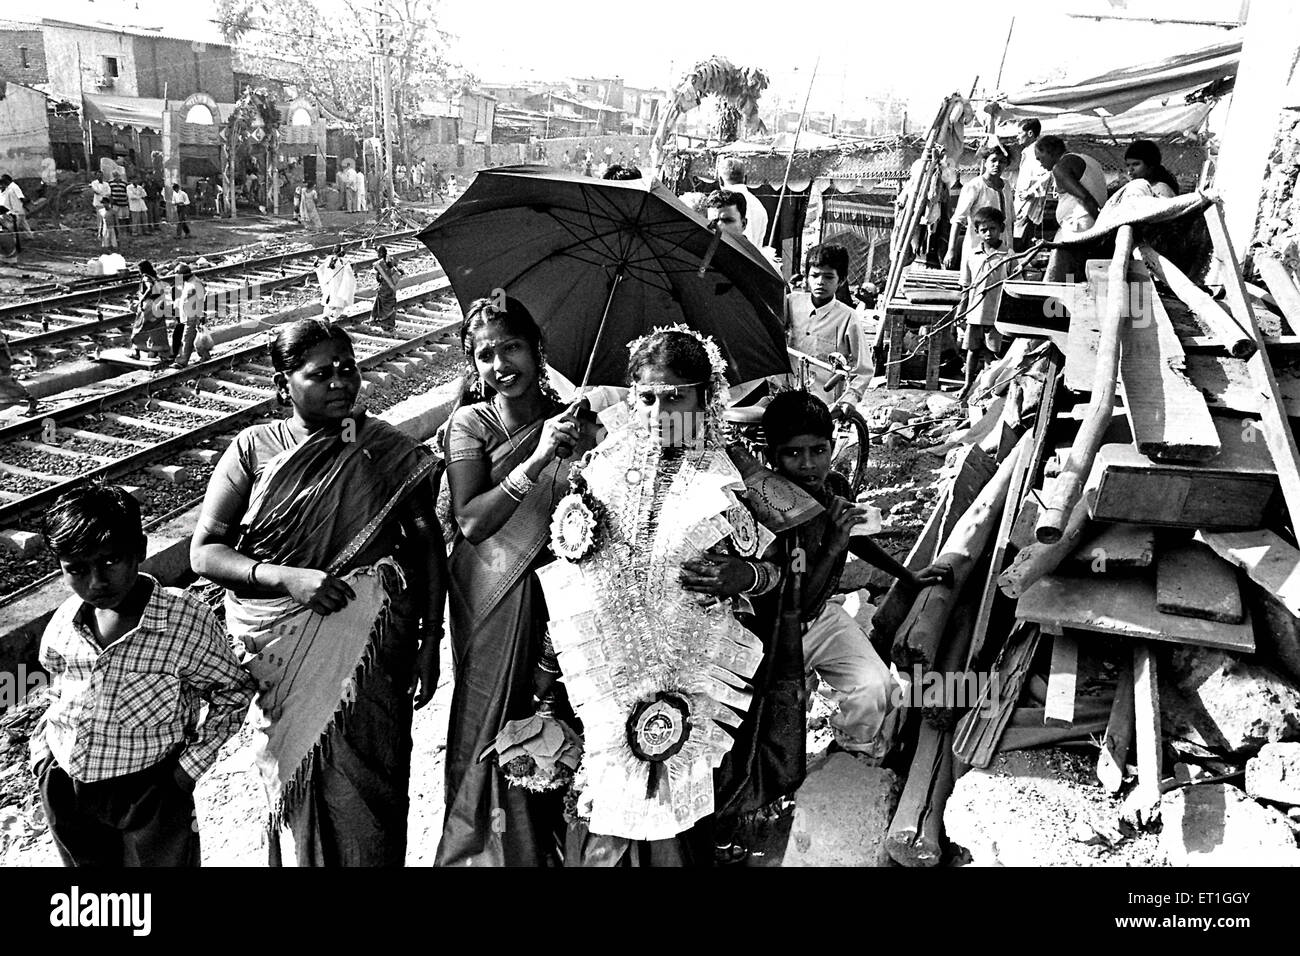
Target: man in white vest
1081, 186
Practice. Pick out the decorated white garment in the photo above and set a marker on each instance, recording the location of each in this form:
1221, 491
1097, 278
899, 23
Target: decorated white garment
653, 674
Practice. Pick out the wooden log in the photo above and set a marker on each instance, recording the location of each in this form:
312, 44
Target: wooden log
1123, 607
1273, 422
1119, 732
975, 741
1274, 343
919, 638
942, 709
1282, 285
1038, 560
1168, 413
1226, 331
1069, 488
916, 834
971, 471
1193, 581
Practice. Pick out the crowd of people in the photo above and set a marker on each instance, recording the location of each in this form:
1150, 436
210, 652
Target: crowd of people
334, 550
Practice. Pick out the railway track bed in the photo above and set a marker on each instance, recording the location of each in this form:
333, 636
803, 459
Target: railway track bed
162, 437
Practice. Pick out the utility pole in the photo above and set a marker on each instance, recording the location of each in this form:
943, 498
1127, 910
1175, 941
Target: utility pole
386, 94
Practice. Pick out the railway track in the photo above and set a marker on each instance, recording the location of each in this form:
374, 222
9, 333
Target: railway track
180, 419
52, 327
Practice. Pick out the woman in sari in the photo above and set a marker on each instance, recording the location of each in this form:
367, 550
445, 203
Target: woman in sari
663, 669
8, 236
307, 211
321, 528
149, 331
506, 467
387, 275
338, 284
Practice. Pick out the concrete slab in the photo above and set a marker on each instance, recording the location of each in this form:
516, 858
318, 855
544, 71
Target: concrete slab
842, 815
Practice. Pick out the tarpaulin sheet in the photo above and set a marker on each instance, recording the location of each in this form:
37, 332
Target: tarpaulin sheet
1122, 89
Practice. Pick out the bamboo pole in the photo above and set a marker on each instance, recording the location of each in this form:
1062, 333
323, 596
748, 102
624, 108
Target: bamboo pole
1069, 486
1223, 327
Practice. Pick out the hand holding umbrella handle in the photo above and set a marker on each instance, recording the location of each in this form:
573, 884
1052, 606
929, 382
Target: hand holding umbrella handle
580, 409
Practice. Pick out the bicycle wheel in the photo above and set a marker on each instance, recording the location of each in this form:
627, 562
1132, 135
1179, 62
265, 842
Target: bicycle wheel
852, 448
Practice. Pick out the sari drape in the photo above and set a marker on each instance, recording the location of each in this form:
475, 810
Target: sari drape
498, 618
333, 714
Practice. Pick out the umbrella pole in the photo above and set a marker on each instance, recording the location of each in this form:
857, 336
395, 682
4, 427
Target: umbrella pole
600, 330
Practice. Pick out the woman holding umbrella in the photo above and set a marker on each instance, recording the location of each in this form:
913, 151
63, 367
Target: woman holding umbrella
387, 275
506, 447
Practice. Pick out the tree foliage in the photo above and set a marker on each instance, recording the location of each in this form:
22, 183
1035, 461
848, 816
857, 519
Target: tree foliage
327, 46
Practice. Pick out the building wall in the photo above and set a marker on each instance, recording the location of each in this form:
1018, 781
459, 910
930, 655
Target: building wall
477, 113
180, 68
26, 133
70, 74
12, 42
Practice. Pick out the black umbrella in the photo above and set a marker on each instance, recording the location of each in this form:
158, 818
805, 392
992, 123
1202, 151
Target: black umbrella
599, 263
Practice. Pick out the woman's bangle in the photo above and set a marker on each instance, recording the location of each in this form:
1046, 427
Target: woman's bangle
766, 577
753, 567
252, 574
517, 484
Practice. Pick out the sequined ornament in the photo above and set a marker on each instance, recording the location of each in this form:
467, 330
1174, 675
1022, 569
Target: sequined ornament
573, 528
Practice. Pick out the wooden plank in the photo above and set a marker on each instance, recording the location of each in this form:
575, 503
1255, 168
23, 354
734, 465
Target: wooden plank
1119, 732
1227, 494
1282, 284
1085, 308
1113, 548
1228, 332
1123, 607
897, 341
1062, 680
1269, 561
1193, 581
1276, 428
1031, 289
1022, 529
1024, 464
1146, 707
1058, 337
1169, 417
975, 741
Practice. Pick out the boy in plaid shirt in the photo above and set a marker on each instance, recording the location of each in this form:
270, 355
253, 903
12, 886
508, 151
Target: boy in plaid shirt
119, 750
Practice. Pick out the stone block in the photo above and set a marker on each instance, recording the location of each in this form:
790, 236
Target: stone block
842, 815
1218, 825
1274, 774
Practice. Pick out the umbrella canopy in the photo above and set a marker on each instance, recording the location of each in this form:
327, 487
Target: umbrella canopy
595, 259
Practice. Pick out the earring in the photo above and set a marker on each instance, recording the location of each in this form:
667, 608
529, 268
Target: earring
477, 388
282, 396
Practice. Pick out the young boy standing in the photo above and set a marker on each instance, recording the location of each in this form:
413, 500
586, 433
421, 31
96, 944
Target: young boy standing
797, 428
119, 750
817, 324
982, 275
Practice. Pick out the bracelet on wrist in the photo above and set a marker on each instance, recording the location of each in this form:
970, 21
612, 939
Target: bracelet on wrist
252, 574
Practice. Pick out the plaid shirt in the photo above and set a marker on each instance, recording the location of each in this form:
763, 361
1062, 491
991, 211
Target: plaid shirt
122, 708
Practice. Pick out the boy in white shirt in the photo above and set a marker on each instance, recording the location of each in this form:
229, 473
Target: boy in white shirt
982, 274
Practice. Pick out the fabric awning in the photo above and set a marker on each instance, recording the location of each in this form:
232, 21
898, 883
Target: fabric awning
139, 112
1120, 90
1149, 122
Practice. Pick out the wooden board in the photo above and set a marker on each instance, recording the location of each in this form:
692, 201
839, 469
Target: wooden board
1282, 284
1170, 419
1022, 530
1122, 607
1029, 289
1274, 343
932, 296
1193, 581
1269, 561
1226, 384
1146, 714
1273, 421
1058, 337
1062, 680
1113, 548
1227, 494
1085, 306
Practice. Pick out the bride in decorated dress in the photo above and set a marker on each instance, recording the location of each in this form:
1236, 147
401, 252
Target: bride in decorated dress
666, 621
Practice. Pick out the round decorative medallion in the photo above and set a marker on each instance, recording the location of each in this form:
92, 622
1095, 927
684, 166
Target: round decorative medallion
633, 476
658, 728
573, 529
744, 531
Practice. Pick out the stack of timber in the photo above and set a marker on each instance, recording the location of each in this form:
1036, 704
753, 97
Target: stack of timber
1123, 542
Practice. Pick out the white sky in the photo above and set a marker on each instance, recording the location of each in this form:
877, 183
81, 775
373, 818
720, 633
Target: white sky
921, 50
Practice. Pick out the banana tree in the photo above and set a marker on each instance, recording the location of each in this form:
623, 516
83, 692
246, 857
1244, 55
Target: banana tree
738, 88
